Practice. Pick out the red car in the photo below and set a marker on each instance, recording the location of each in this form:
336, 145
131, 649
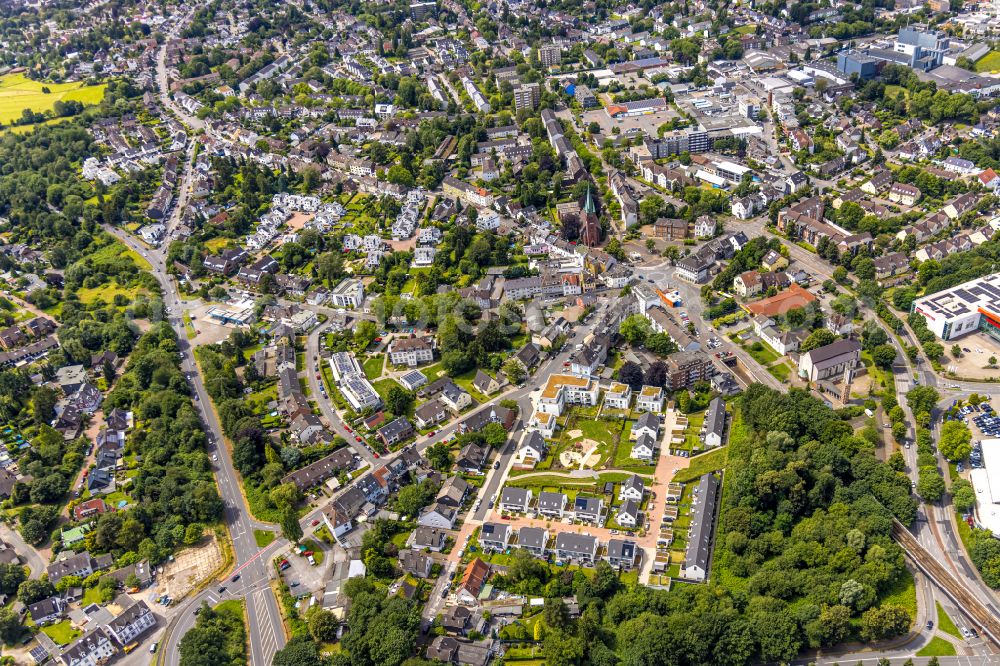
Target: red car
348, 428
318, 376
357, 438
505, 517
315, 522
430, 434
376, 455
307, 553
378, 339
565, 364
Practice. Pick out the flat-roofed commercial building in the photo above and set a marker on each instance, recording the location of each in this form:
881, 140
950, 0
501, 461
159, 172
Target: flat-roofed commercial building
970, 306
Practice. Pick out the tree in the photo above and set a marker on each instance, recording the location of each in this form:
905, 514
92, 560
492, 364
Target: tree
930, 484
963, 496
290, 527
33, 590
322, 624
399, 400
11, 628
11, 577
956, 351
364, 333
514, 371
956, 441
884, 356
631, 373
818, 338
922, 398
440, 456
884, 622
43, 405
634, 329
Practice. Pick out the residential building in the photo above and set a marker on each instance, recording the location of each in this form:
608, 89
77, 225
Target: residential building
622, 553
618, 396
576, 547
588, 509
633, 488
411, 352
135, 619
699, 548
495, 536
650, 399
533, 539
713, 429
515, 500
349, 294
551, 504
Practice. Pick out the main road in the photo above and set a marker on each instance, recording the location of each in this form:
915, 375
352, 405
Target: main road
265, 629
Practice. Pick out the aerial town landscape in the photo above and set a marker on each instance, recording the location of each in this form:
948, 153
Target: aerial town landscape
521, 333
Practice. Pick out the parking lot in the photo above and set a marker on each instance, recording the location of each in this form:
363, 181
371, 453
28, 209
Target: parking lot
987, 423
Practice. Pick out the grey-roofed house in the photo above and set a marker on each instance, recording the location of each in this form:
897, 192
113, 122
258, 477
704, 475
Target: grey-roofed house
456, 619
453, 492
396, 431
579, 547
622, 553
485, 384
628, 514
699, 547
472, 457
429, 538
80, 564
438, 515
633, 488
90, 649
714, 427
588, 509
46, 610
515, 500
135, 619
495, 536
533, 539
552, 504
416, 563
648, 423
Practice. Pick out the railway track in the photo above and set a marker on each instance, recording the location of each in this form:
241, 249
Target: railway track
985, 618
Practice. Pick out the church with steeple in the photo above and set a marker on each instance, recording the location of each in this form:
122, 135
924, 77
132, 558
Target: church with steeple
590, 224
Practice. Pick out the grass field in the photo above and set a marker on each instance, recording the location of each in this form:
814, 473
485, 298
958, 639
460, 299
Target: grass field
938, 647
18, 93
106, 293
945, 623
703, 464
904, 593
989, 62
373, 366
62, 633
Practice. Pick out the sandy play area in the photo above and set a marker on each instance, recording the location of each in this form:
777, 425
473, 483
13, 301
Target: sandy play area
582, 454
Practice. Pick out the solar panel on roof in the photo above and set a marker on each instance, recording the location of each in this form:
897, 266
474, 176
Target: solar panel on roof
964, 295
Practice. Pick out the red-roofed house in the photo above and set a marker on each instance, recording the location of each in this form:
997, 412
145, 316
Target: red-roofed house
473, 580
93, 507
990, 179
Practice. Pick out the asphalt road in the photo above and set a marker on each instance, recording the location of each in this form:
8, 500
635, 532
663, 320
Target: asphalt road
265, 626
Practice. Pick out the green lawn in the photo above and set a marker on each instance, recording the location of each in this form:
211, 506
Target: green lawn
234, 606
91, 595
62, 633
106, 293
382, 387
988, 63
893, 91
945, 623
762, 353
938, 647
781, 371
17, 93
702, 465
904, 593
373, 366
263, 538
